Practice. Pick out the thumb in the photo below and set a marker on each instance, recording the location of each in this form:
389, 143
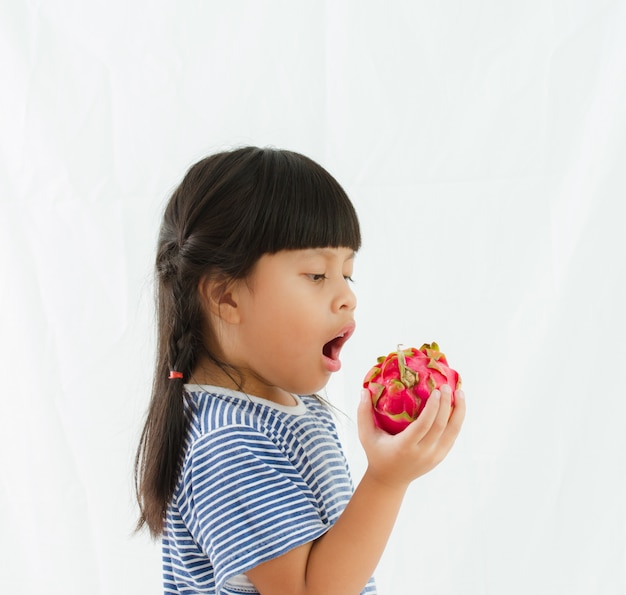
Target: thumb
365, 415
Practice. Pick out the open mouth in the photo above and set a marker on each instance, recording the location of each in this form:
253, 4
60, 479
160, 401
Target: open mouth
332, 349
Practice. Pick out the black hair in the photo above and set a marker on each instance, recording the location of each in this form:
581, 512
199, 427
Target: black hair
230, 209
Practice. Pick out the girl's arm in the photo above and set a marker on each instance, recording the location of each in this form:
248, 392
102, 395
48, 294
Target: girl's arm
342, 560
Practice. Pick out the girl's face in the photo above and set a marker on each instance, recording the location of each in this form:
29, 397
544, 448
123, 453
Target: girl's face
294, 313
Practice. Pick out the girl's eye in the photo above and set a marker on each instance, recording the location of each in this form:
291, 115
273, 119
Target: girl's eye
316, 277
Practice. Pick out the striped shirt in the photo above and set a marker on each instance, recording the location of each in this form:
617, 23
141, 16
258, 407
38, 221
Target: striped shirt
257, 480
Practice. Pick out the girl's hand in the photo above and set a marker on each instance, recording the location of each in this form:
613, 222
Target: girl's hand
396, 460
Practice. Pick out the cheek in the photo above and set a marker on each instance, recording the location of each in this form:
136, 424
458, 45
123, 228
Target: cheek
270, 316
283, 311
289, 322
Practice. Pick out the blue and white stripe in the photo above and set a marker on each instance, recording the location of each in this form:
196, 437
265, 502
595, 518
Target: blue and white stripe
257, 480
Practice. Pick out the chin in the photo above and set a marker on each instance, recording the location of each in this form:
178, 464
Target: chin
309, 388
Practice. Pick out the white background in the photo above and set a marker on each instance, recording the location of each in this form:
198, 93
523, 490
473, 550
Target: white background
484, 146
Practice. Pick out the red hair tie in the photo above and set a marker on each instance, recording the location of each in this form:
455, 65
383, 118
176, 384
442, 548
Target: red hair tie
174, 375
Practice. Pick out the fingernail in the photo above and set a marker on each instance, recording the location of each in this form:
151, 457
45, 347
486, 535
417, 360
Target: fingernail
365, 394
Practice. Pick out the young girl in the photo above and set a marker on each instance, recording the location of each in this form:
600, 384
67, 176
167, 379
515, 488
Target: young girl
239, 467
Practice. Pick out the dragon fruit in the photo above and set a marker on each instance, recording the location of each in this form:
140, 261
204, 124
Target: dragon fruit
401, 383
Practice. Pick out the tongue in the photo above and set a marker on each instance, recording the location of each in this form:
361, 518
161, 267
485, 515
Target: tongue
330, 349
331, 353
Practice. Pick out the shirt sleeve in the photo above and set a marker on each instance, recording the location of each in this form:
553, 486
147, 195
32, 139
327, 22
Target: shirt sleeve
244, 502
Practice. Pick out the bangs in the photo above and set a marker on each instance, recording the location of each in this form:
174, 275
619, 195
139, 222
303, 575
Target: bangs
303, 206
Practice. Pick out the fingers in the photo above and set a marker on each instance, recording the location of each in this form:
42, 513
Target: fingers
456, 419
438, 422
417, 431
438, 418
445, 408
445, 432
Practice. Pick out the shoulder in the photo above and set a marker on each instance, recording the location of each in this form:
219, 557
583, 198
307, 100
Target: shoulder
226, 421
222, 421
209, 409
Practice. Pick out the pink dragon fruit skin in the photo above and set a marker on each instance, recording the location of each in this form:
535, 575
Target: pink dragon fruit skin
401, 383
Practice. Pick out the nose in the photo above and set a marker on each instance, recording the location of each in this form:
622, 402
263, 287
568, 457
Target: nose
345, 299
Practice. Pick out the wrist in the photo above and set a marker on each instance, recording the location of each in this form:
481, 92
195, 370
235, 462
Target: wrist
385, 482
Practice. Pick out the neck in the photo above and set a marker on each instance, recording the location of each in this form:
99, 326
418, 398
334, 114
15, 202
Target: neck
227, 376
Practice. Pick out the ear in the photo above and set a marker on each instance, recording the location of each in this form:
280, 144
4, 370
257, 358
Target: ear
219, 298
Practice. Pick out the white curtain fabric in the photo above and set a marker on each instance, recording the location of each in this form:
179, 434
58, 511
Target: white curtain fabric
484, 146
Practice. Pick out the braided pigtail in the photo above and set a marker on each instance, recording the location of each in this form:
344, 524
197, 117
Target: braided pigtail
178, 347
